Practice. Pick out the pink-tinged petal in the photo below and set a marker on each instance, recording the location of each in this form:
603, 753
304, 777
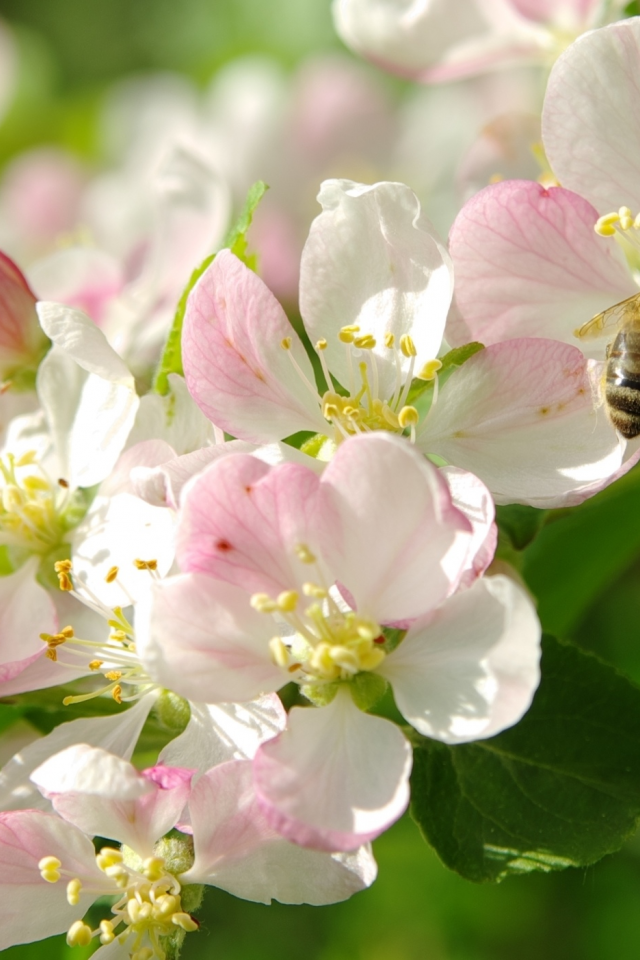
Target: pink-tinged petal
82, 277
85, 769
472, 497
501, 151
436, 41
22, 342
146, 454
529, 264
225, 731
137, 822
174, 418
402, 545
374, 261
235, 366
32, 908
242, 520
118, 734
576, 497
336, 778
591, 117
472, 667
117, 531
26, 611
222, 654
570, 14
521, 416
237, 850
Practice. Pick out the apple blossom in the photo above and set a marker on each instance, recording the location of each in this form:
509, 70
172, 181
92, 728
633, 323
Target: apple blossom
438, 40
376, 286
93, 793
374, 541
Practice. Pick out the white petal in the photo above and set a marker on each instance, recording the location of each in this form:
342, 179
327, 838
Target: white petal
471, 669
373, 260
336, 778
225, 731
82, 768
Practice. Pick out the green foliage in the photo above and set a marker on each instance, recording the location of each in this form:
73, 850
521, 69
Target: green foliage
171, 360
519, 524
579, 554
561, 788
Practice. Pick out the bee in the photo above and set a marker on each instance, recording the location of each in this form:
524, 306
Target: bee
621, 378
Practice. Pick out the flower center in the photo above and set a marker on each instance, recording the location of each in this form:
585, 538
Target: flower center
35, 512
148, 907
116, 658
325, 643
363, 409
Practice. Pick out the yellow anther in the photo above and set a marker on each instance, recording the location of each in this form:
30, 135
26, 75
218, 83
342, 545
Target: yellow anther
95, 664
287, 601
429, 370
146, 564
112, 574
366, 342
348, 332
321, 344
407, 345
153, 868
263, 603
138, 911
106, 932
606, 225
49, 868
34, 482
184, 921
165, 905
313, 590
73, 892
113, 674
304, 554
116, 693
66, 632
285, 343
63, 569
26, 459
79, 934
389, 339
118, 635
63, 566
408, 417
51, 654
108, 857
279, 652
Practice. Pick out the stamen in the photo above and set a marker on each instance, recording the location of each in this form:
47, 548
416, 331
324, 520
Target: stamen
429, 370
407, 345
73, 892
389, 339
304, 554
49, 868
347, 333
79, 934
112, 574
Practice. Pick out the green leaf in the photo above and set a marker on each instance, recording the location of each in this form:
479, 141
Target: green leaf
561, 788
235, 240
519, 523
454, 358
579, 554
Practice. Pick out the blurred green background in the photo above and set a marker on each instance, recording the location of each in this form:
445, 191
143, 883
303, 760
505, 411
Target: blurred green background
583, 568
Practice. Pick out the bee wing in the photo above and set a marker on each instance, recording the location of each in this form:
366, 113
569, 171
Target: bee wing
603, 323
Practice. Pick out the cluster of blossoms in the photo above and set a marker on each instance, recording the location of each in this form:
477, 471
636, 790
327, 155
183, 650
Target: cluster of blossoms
305, 508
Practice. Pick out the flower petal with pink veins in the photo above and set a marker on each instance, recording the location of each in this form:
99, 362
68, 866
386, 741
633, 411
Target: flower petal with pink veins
202, 639
117, 733
26, 611
521, 416
138, 822
235, 366
470, 669
237, 850
529, 264
470, 495
336, 778
32, 908
241, 521
373, 260
92, 770
402, 545
591, 119
219, 732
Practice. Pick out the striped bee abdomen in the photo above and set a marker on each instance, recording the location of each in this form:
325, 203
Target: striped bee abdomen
622, 383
